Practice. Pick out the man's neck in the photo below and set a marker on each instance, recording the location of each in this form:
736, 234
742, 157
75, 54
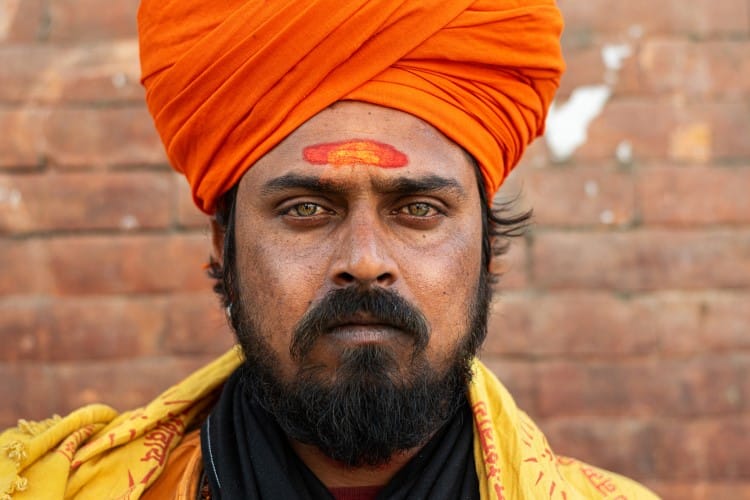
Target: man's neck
334, 474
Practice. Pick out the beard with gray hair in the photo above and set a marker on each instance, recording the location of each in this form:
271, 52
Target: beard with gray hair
373, 407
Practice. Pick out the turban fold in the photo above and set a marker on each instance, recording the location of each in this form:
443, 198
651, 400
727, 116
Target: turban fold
226, 81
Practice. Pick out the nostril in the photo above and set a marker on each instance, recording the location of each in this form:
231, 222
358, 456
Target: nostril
385, 278
346, 278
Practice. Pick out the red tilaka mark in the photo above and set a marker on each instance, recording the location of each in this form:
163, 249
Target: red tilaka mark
360, 151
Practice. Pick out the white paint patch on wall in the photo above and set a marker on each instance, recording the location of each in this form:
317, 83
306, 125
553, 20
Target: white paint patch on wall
614, 55
567, 124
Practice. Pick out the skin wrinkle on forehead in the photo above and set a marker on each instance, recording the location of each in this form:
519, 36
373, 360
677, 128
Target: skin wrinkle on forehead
355, 151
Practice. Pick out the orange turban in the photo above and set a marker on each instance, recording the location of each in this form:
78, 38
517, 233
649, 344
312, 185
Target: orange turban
227, 81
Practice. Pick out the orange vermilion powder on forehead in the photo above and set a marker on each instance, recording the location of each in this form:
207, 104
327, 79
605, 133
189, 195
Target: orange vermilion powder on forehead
357, 151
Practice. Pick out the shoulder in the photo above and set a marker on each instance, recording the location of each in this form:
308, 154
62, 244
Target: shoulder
180, 477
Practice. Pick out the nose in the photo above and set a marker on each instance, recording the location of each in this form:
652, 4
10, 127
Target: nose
363, 257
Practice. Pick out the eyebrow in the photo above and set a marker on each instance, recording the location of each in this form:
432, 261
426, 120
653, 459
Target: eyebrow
397, 185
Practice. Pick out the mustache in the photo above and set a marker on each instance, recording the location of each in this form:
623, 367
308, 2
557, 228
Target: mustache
345, 305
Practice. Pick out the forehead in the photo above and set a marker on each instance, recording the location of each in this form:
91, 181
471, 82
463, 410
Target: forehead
402, 145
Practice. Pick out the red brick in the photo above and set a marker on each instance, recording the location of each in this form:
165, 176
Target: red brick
129, 264
699, 17
715, 385
23, 267
123, 385
699, 457
642, 260
509, 330
519, 377
21, 20
24, 326
585, 66
105, 328
85, 20
102, 73
197, 325
21, 143
691, 490
511, 267
711, 449
724, 320
79, 329
687, 196
644, 123
579, 325
729, 121
188, 215
76, 201
580, 196
695, 68
678, 130
102, 136
535, 156
571, 324
616, 444
25, 393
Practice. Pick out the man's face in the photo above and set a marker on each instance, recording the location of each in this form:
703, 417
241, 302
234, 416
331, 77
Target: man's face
368, 206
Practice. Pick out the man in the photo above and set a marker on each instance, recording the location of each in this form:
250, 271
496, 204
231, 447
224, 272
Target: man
348, 152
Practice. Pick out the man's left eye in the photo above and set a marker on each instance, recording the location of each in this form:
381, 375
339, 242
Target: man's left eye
419, 210
305, 210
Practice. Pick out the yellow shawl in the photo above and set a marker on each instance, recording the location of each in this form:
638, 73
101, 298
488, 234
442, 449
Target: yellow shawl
94, 453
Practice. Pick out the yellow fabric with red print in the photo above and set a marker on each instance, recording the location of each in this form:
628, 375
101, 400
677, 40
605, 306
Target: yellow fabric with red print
95, 454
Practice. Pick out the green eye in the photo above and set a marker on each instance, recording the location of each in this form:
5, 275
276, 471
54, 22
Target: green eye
419, 209
306, 209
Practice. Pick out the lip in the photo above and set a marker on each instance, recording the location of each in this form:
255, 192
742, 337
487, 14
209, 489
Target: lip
359, 333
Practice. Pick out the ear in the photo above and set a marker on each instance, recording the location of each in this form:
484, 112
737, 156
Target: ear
217, 241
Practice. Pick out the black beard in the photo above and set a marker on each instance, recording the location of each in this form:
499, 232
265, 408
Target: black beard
371, 408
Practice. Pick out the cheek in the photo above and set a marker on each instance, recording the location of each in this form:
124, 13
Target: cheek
276, 282
444, 282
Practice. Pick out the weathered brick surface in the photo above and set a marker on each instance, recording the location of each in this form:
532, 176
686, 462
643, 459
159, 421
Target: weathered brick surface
692, 490
85, 201
672, 129
22, 20
80, 328
196, 325
85, 20
691, 387
643, 259
621, 322
580, 196
105, 72
698, 18
708, 68
23, 268
77, 137
92, 265
692, 196
21, 143
580, 324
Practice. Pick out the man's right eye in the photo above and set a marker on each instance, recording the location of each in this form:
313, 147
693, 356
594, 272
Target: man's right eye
305, 210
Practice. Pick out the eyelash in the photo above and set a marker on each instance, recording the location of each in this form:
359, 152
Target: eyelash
430, 208
317, 213
295, 208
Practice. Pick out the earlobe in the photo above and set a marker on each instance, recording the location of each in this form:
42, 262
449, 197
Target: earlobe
217, 241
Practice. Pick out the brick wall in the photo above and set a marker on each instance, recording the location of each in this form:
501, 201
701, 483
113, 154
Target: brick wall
622, 324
